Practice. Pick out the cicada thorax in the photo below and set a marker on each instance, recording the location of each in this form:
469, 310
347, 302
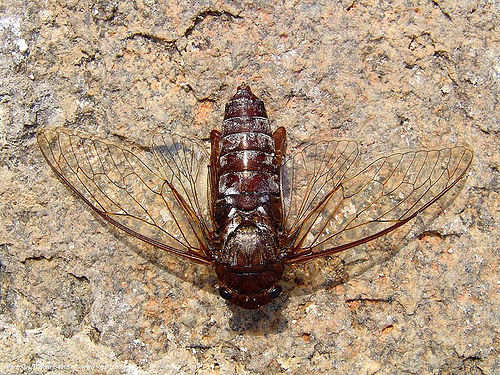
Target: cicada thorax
247, 212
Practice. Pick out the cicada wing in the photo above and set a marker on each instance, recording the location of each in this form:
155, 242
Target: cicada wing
184, 163
384, 195
121, 185
309, 174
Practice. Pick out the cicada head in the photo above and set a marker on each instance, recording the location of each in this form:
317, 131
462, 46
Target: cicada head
249, 288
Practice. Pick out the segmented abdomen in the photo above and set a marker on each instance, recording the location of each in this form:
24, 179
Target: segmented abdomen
247, 169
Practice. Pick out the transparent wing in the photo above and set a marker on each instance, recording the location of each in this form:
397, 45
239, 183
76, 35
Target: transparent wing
184, 163
121, 186
384, 195
310, 173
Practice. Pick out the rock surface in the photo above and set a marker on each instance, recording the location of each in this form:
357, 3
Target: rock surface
79, 297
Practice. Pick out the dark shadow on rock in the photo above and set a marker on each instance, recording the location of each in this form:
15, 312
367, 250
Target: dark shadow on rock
259, 322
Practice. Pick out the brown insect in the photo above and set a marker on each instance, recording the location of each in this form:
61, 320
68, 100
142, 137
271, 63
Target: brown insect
247, 207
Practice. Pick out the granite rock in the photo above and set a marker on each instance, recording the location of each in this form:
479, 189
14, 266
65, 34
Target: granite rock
79, 297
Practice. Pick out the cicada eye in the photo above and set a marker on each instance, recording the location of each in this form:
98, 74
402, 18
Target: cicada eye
275, 292
224, 293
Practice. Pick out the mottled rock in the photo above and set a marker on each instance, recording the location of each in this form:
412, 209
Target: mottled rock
79, 297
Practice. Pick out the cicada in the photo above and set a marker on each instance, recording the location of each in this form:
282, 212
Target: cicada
247, 206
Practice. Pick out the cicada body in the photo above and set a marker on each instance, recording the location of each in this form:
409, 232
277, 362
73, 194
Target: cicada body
246, 161
248, 207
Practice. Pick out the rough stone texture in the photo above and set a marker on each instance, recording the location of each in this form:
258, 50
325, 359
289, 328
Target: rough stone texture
78, 297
